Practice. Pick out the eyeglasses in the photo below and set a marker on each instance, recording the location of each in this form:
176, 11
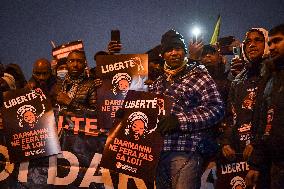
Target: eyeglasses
82, 61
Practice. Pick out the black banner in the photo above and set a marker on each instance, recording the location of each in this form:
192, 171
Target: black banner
77, 167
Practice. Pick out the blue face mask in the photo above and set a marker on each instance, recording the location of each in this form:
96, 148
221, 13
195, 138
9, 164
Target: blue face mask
62, 73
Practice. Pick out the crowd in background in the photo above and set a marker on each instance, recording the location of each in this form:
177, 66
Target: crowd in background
228, 97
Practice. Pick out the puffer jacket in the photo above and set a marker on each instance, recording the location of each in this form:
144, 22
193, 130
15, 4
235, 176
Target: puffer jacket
84, 101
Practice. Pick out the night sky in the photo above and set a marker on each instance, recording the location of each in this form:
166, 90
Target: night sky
28, 26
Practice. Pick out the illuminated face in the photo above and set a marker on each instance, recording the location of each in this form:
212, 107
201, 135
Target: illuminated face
138, 128
123, 85
276, 47
174, 57
41, 73
248, 103
29, 117
254, 46
76, 63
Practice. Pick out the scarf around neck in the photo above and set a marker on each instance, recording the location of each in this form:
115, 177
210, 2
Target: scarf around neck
170, 73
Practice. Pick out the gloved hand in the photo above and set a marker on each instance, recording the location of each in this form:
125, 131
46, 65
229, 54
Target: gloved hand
168, 124
119, 113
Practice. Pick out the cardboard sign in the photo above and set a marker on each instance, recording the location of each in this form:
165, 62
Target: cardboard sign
232, 174
133, 146
62, 51
30, 125
119, 73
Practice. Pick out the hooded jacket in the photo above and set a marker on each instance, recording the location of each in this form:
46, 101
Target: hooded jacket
241, 100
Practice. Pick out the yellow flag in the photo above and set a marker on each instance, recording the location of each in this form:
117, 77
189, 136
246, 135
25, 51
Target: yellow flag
216, 32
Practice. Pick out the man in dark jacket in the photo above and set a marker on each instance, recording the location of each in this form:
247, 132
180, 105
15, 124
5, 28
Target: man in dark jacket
42, 75
42, 78
215, 65
240, 133
269, 145
243, 94
213, 62
78, 92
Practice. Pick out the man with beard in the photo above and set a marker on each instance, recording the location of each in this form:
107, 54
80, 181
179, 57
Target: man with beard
242, 98
196, 109
269, 145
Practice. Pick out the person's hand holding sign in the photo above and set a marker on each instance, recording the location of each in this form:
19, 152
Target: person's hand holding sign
98, 83
168, 124
161, 103
247, 151
228, 152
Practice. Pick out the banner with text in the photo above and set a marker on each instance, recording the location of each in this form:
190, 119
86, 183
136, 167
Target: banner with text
71, 169
62, 51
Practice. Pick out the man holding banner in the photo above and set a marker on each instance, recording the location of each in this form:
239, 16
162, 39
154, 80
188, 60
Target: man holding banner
197, 107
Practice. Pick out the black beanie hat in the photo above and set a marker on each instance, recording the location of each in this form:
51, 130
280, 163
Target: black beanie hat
208, 49
172, 39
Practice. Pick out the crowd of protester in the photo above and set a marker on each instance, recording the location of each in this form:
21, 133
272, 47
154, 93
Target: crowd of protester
223, 106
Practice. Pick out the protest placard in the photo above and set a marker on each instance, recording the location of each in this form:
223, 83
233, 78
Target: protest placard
134, 145
29, 124
119, 73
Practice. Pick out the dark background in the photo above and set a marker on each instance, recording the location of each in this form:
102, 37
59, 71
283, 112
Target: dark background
28, 26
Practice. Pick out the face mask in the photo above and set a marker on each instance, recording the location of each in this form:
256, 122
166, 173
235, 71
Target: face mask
61, 73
